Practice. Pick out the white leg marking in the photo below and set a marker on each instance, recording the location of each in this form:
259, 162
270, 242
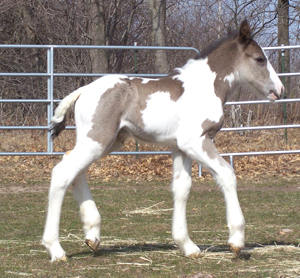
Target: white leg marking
90, 215
203, 151
63, 175
181, 188
235, 219
51, 232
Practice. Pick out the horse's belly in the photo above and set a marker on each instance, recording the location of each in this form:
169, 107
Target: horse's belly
162, 133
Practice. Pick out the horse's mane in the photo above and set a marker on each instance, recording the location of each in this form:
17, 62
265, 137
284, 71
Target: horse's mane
231, 34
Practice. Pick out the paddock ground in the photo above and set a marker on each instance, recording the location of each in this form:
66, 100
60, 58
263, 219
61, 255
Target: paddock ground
136, 225
133, 195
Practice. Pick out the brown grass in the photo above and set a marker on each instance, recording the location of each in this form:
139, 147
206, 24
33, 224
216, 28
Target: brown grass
21, 168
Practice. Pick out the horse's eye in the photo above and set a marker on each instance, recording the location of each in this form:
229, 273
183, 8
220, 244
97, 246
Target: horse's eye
260, 60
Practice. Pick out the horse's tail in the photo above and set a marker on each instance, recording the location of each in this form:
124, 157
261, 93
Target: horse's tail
58, 121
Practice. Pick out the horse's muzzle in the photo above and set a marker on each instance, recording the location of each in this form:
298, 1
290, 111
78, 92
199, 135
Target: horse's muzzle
275, 95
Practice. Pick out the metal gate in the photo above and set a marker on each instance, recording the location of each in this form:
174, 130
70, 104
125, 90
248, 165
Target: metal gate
50, 74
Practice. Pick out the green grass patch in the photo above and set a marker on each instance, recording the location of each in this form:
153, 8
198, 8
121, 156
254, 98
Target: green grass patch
136, 232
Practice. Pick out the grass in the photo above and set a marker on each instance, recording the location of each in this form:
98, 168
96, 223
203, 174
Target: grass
136, 232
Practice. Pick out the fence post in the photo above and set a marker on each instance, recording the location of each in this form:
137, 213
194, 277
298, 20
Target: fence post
231, 161
200, 170
50, 58
136, 72
284, 94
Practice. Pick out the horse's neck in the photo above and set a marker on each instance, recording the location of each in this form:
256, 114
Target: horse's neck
198, 74
224, 87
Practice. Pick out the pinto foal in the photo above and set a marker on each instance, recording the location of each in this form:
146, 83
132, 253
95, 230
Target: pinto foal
183, 110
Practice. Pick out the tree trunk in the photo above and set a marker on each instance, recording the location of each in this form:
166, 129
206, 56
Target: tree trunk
96, 27
26, 21
157, 10
283, 38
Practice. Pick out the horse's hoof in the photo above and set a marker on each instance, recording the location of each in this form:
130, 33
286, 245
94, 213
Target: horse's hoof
234, 249
92, 244
195, 255
62, 259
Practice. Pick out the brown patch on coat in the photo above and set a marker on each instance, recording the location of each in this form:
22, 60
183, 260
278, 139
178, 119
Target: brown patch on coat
166, 84
109, 110
126, 100
238, 56
229, 54
212, 152
223, 65
211, 128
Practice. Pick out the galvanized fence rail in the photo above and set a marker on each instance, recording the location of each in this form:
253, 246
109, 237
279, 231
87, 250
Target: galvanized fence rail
50, 74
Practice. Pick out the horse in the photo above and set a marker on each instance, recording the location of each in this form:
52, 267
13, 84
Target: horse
183, 110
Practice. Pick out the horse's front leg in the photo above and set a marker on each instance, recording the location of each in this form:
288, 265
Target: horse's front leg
203, 151
181, 188
90, 215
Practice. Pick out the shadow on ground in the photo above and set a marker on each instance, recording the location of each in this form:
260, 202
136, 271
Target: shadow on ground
136, 248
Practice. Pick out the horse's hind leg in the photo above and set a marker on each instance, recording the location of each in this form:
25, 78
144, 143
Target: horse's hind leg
89, 213
63, 174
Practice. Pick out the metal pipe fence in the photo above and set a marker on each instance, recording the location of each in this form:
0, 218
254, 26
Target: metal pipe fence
50, 101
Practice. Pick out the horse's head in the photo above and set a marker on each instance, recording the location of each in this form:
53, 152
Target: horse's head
254, 69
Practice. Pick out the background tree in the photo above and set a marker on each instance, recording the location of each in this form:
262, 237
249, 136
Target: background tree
157, 11
283, 39
97, 35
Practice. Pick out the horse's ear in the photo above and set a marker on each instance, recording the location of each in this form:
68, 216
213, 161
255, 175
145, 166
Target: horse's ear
245, 32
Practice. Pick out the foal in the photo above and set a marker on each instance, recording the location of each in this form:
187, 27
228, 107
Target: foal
183, 111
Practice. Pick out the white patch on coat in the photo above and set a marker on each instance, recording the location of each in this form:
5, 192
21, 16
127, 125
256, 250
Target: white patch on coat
199, 101
273, 75
160, 116
145, 80
229, 78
